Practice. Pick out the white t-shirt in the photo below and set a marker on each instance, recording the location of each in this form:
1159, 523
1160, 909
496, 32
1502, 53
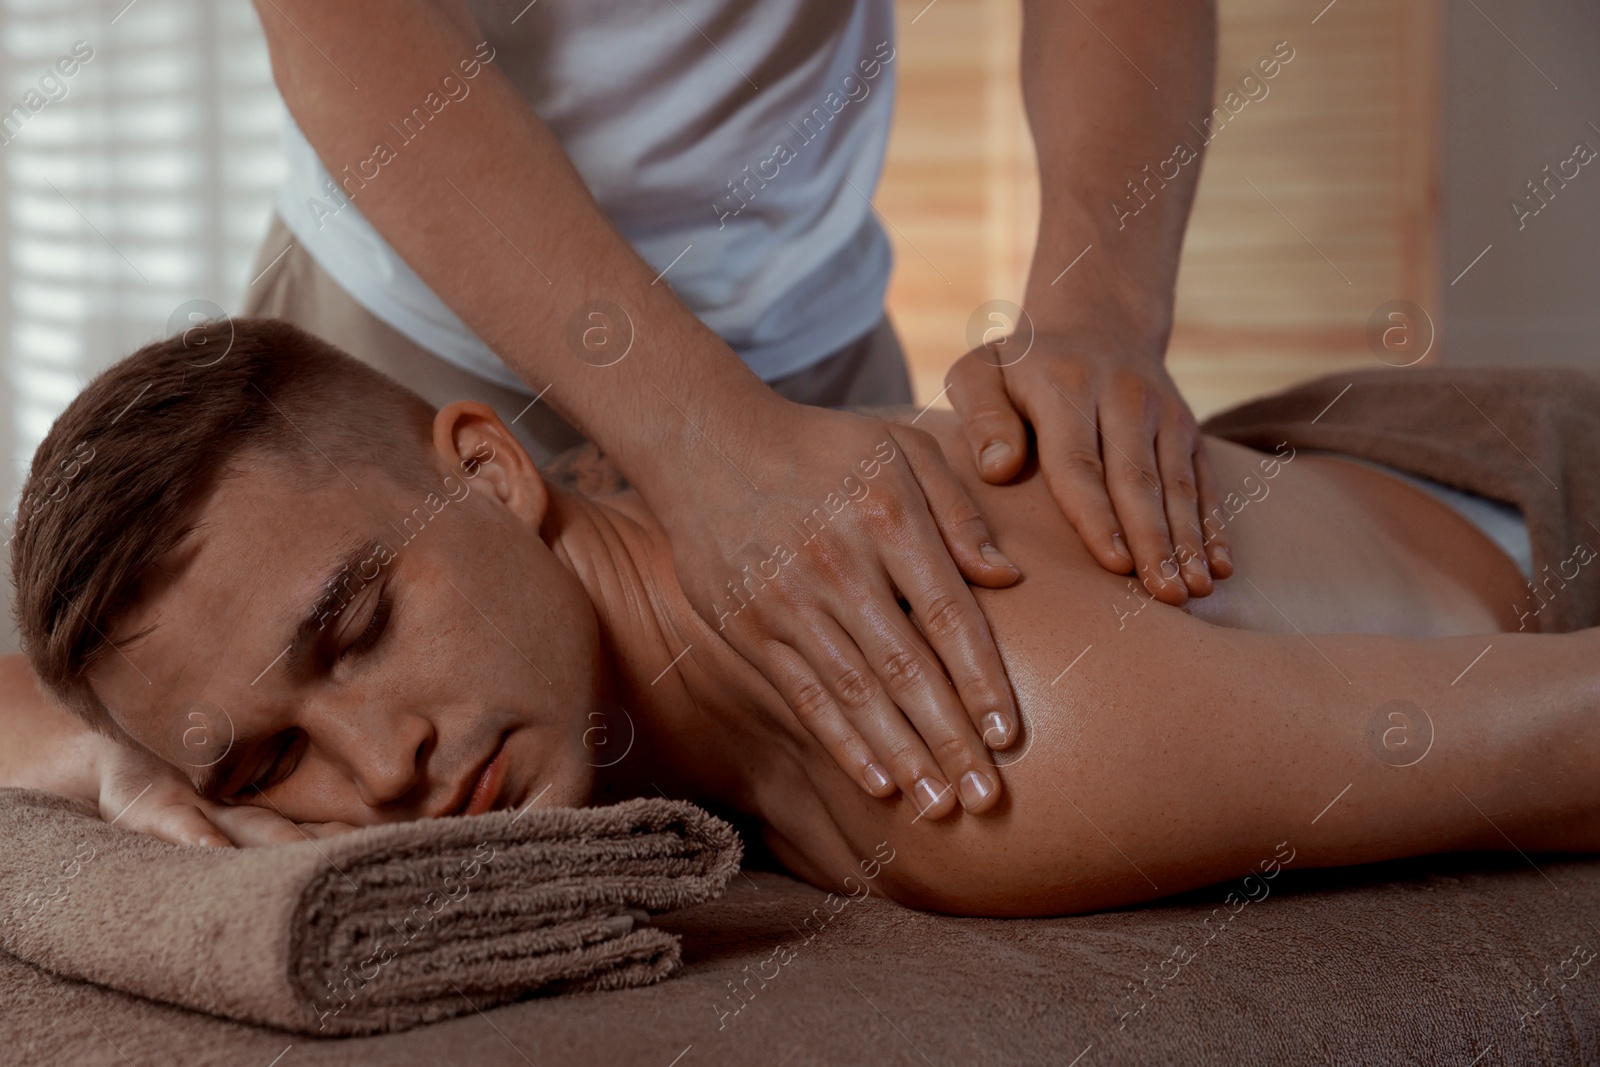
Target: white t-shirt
754, 200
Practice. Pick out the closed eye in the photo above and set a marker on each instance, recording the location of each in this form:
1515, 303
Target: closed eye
286, 756
375, 627
289, 745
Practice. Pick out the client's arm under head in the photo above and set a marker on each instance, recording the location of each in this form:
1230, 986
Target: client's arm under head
53, 750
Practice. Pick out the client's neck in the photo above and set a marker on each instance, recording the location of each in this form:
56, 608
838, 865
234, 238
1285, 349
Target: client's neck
690, 721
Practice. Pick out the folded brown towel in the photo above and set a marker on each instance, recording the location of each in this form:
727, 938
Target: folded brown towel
1525, 435
375, 930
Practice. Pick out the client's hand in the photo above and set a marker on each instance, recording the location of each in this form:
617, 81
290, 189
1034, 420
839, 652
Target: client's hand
800, 544
1118, 448
140, 792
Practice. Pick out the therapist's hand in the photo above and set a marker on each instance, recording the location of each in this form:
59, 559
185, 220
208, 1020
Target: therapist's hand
1117, 446
798, 545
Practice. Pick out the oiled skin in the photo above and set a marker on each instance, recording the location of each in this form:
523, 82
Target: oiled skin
1169, 748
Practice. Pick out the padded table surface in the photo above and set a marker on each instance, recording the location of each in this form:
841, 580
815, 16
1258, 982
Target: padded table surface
1479, 959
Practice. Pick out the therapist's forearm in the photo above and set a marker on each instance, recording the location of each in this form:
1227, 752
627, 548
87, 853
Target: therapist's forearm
1111, 89
487, 209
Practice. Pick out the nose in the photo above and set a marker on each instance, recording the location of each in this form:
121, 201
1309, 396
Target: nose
384, 752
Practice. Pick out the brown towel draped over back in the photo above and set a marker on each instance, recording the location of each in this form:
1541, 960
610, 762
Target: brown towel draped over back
1527, 436
375, 930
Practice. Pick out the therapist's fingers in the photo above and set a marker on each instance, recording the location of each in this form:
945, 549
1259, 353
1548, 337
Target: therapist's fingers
945, 610
917, 684
1128, 424
993, 428
956, 519
1175, 455
1065, 422
1215, 534
838, 496
938, 708
814, 706
836, 675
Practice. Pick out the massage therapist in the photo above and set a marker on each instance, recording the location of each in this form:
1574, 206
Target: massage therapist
649, 224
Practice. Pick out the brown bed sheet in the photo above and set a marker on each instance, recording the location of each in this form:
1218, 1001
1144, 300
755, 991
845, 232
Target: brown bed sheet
1419, 962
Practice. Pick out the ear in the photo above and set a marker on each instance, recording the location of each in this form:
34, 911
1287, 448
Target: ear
476, 446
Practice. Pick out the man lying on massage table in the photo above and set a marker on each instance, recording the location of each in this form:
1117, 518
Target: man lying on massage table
486, 635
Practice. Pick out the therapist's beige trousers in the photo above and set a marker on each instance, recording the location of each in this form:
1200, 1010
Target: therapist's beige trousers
290, 285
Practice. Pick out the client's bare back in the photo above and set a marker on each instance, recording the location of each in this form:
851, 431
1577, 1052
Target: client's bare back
1167, 748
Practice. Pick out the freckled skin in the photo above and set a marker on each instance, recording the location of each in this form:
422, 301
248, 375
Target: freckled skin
1163, 748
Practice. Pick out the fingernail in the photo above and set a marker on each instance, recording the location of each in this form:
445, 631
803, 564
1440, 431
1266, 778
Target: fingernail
994, 556
929, 793
1119, 548
994, 453
1222, 553
975, 789
1196, 566
995, 729
211, 841
876, 780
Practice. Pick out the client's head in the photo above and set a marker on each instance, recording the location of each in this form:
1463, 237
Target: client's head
287, 575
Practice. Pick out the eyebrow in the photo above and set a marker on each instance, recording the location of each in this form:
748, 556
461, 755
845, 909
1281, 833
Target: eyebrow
311, 623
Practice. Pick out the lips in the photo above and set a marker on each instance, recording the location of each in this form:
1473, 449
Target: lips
486, 787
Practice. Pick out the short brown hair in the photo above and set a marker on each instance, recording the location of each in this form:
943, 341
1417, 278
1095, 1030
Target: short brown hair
127, 468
